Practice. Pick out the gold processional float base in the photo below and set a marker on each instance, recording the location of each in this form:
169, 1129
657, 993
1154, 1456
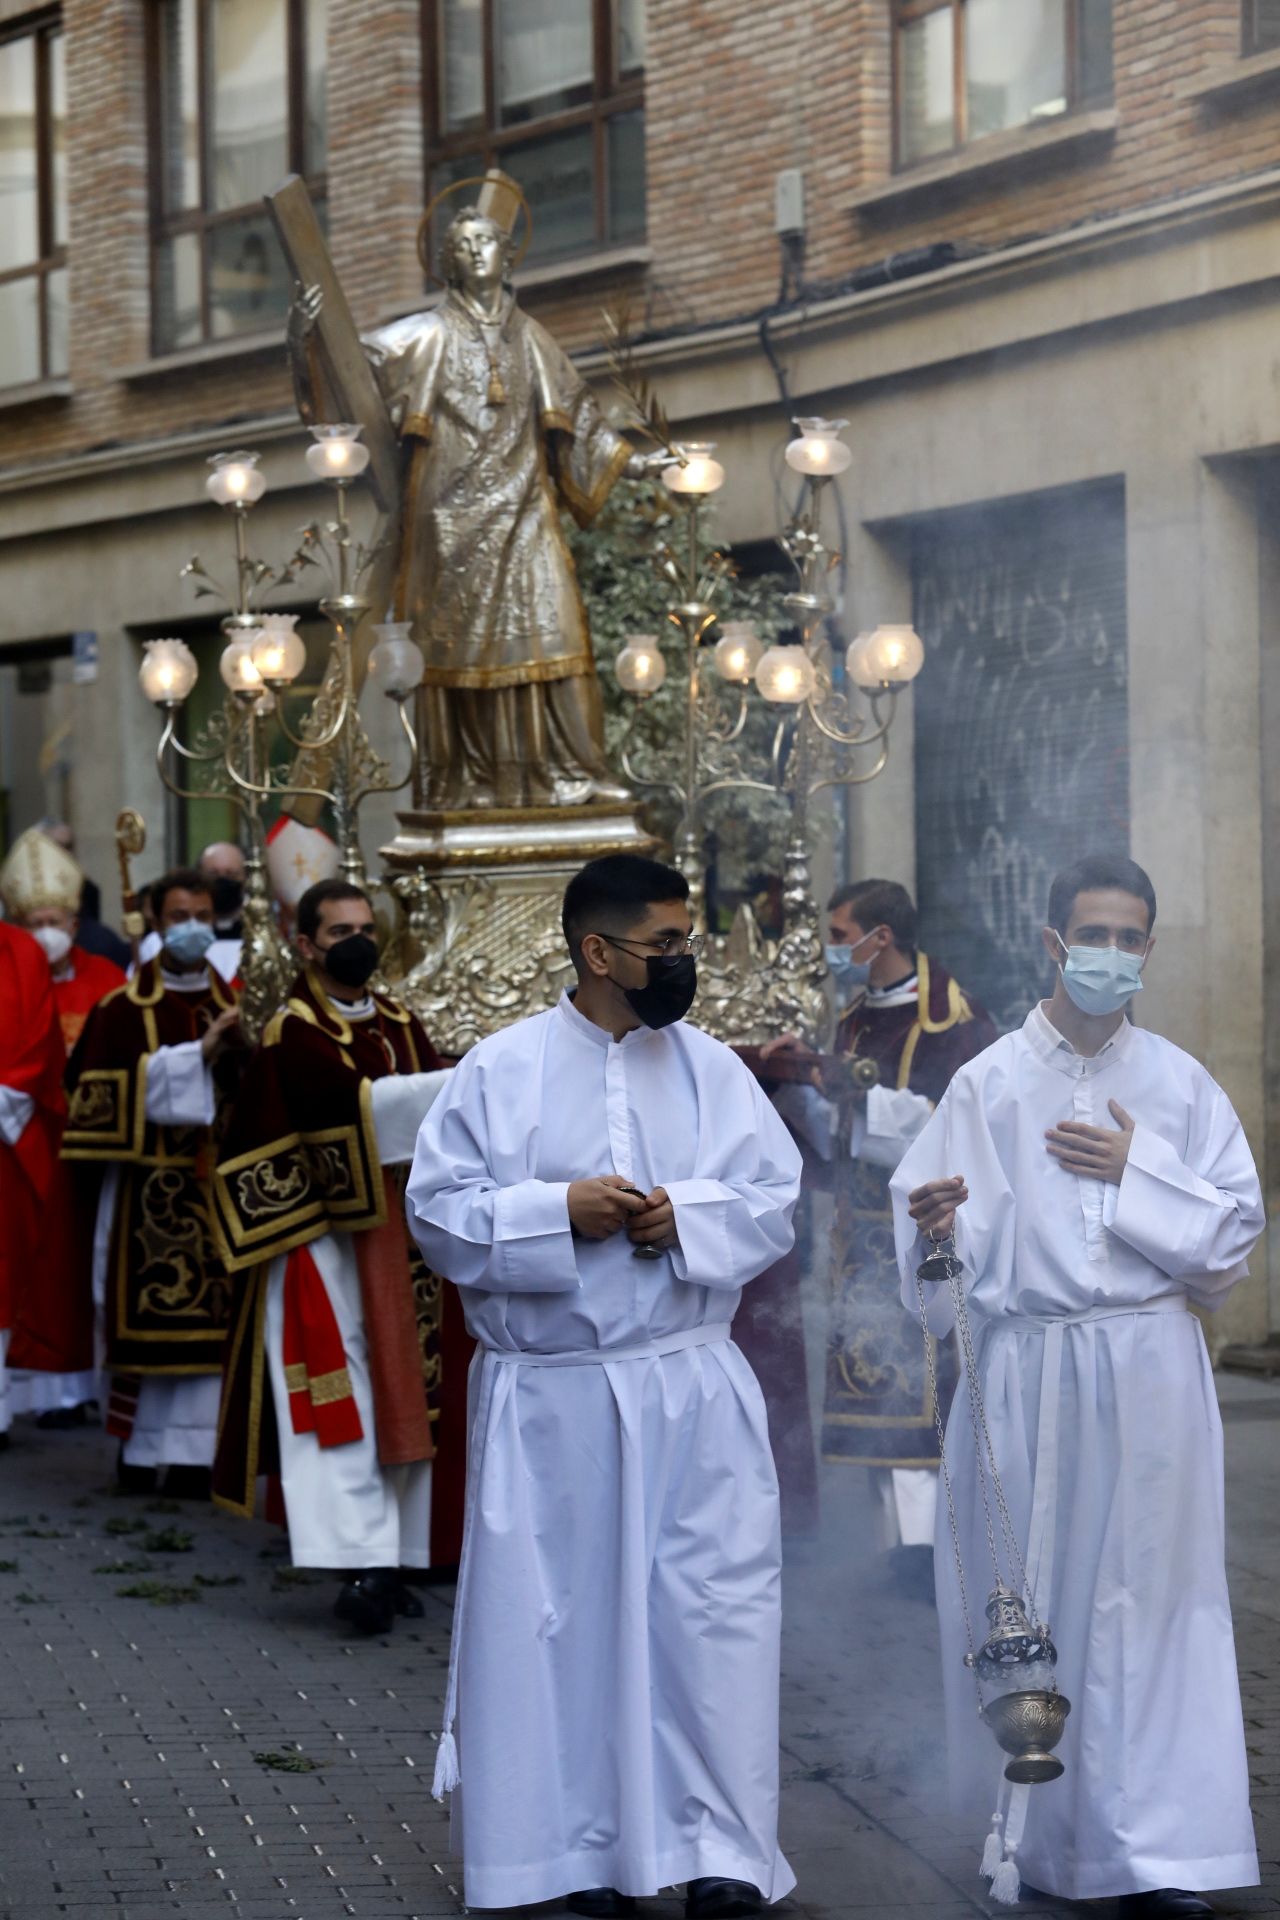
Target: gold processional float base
482, 888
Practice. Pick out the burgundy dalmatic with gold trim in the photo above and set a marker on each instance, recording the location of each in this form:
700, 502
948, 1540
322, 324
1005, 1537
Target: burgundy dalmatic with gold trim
167, 1292
878, 1408
300, 1160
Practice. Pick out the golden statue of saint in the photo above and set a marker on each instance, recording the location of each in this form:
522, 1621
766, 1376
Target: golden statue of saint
498, 433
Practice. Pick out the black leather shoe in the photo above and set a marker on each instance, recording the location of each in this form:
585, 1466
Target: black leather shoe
716, 1899
408, 1605
600, 1903
59, 1419
368, 1601
1164, 1903
188, 1483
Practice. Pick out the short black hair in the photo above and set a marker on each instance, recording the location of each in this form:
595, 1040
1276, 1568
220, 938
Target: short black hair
181, 879
307, 914
610, 894
1087, 875
879, 903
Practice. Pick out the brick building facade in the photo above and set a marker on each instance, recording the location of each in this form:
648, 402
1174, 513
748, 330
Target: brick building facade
1053, 331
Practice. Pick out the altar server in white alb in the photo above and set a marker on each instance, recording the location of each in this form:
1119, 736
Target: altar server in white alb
1098, 1183
615, 1661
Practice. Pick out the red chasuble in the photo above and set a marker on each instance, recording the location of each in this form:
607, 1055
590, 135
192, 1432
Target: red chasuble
879, 1410
167, 1290
300, 1159
53, 1316
31, 1062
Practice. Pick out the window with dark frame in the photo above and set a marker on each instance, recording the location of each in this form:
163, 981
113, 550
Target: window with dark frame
1261, 26
33, 203
238, 100
963, 69
552, 91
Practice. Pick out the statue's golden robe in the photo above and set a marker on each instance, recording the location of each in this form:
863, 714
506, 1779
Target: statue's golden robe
484, 573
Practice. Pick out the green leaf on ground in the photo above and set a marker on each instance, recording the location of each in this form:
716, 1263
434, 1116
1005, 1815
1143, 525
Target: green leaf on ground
293, 1577
158, 1593
44, 1533
163, 1506
168, 1540
122, 1524
8, 1566
124, 1566
219, 1580
287, 1762
29, 1599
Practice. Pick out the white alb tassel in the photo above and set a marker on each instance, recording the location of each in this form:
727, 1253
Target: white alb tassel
1006, 1886
993, 1849
447, 1775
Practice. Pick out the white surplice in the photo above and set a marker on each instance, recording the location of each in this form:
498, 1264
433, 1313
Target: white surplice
345, 1509
1104, 1421
615, 1663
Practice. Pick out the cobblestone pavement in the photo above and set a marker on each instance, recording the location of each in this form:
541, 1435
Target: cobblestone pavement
134, 1770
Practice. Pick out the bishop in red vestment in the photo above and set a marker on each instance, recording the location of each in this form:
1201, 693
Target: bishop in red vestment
51, 1347
31, 1114
343, 1372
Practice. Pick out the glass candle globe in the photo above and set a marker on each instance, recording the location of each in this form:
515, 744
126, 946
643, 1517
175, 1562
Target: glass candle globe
235, 480
337, 453
277, 652
700, 473
236, 665
737, 652
889, 657
855, 661
785, 676
396, 665
819, 452
168, 671
640, 666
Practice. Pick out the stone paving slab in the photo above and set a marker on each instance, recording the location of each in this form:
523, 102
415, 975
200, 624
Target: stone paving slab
128, 1779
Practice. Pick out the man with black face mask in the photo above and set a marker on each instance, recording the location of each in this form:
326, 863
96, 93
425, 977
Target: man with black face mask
617, 1619
222, 865
330, 1307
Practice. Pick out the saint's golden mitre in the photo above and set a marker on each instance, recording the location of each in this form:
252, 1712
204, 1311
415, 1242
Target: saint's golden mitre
39, 873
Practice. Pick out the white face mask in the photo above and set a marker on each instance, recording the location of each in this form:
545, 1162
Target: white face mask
56, 943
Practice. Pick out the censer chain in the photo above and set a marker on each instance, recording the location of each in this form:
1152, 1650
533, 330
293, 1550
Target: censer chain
946, 1482
984, 1446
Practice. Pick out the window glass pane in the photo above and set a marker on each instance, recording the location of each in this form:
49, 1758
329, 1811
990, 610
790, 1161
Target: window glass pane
179, 120
248, 282
461, 61
177, 296
58, 135
559, 183
1093, 37
465, 166
57, 315
249, 138
1016, 62
1265, 25
19, 331
626, 177
316, 132
19, 227
545, 57
630, 37
925, 109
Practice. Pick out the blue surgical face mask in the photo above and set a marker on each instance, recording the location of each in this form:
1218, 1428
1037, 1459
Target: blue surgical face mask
188, 941
847, 973
1101, 979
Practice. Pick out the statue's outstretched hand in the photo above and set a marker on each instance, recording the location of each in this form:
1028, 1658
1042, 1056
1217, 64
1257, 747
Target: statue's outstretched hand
304, 311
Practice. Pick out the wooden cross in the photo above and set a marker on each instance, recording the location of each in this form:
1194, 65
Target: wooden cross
344, 364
